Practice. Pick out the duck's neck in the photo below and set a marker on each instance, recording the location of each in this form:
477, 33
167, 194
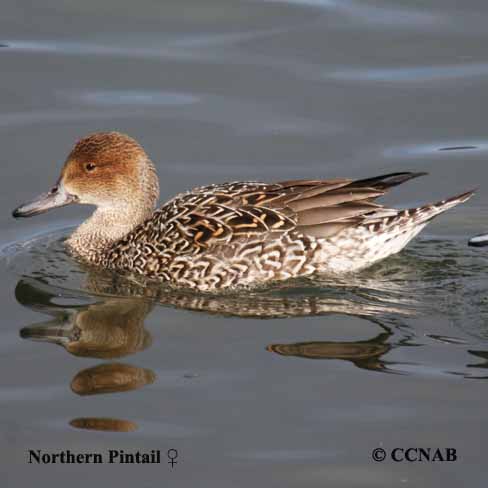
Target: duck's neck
104, 228
111, 223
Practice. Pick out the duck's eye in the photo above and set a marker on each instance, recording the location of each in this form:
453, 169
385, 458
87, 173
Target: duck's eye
90, 166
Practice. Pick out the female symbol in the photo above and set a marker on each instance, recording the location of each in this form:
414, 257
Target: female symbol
172, 455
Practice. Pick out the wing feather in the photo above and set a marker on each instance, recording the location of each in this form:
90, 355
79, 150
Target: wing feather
321, 215
318, 208
333, 198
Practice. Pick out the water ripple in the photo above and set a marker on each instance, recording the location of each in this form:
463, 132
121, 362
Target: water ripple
137, 97
411, 74
437, 148
258, 119
391, 17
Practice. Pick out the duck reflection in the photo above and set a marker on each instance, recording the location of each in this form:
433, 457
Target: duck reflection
103, 424
112, 328
111, 378
363, 354
358, 296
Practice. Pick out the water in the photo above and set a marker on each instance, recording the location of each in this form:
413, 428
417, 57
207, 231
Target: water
289, 386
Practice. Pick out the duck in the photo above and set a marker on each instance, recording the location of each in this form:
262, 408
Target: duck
225, 235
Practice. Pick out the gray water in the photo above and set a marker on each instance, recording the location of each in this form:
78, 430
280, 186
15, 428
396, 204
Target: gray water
290, 386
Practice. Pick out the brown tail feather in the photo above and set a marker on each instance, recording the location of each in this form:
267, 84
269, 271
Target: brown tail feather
384, 182
431, 210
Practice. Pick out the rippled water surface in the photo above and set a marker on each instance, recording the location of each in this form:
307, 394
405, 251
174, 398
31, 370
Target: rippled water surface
292, 385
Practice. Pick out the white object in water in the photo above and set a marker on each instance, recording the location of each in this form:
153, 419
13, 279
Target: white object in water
479, 241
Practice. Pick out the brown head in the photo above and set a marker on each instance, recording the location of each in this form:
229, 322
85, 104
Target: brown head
107, 169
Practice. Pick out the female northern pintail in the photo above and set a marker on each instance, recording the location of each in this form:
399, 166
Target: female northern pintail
228, 234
